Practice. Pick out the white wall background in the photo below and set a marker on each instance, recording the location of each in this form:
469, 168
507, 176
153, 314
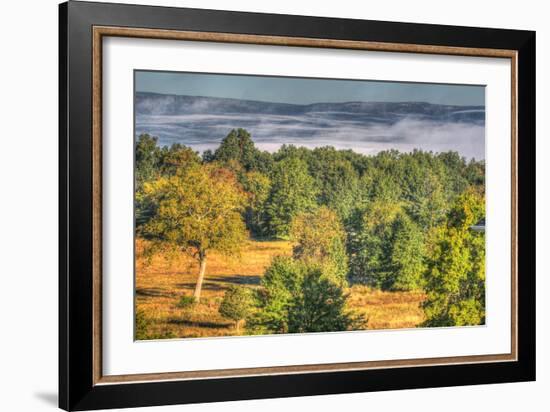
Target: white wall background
28, 203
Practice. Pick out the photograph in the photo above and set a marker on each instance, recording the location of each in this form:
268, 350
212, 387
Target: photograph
281, 205
284, 205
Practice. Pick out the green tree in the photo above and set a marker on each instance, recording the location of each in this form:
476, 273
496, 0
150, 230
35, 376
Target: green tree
370, 244
320, 306
292, 192
424, 194
379, 185
475, 173
388, 249
319, 237
257, 186
238, 146
296, 297
455, 278
147, 159
153, 162
336, 179
237, 304
199, 210
147, 155
406, 255
455, 169
288, 151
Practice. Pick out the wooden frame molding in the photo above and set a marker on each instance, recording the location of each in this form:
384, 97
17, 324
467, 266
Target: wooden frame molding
99, 32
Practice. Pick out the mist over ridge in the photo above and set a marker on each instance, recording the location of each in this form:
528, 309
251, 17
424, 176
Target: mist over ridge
365, 127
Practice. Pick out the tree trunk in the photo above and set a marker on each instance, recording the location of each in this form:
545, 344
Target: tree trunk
198, 287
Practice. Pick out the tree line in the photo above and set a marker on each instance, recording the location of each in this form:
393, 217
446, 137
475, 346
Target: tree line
394, 221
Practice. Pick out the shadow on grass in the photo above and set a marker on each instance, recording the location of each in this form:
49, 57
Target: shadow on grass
215, 287
237, 279
200, 323
153, 293
220, 282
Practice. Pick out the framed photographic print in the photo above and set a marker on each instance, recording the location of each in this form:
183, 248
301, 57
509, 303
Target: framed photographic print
257, 205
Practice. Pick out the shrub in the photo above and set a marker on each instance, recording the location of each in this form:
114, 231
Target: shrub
237, 304
297, 297
186, 302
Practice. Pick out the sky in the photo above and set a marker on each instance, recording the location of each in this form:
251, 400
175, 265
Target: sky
304, 90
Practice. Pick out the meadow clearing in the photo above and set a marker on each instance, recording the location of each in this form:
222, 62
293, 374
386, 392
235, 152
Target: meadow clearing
162, 280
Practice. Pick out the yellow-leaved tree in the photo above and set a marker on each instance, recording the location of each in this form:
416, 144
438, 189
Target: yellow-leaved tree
198, 210
319, 237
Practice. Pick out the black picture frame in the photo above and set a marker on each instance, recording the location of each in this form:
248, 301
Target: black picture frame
77, 390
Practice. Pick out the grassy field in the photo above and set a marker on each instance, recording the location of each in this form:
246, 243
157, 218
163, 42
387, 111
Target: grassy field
162, 281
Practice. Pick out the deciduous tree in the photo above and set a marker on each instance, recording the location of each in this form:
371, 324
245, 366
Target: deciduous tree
455, 279
319, 237
177, 157
199, 211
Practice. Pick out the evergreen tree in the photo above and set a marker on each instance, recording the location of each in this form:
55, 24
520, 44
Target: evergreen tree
292, 192
407, 254
370, 244
296, 297
257, 186
238, 146
336, 179
147, 159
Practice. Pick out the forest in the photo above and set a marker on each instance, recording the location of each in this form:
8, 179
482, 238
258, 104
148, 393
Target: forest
304, 240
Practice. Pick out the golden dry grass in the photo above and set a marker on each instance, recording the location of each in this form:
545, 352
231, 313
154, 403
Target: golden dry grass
387, 310
162, 281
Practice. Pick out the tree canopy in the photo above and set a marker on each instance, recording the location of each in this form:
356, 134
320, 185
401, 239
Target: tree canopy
394, 221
